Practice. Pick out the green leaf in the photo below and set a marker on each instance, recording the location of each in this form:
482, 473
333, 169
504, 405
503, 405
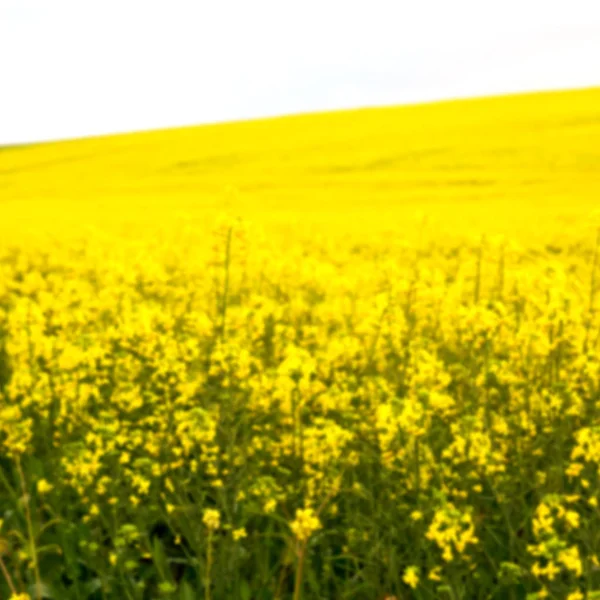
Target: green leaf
159, 557
166, 587
313, 582
245, 590
43, 590
186, 592
93, 586
444, 589
35, 467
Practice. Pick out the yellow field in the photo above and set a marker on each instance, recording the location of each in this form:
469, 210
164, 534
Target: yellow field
502, 161
348, 355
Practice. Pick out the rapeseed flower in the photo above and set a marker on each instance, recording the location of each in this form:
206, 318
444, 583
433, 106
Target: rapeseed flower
211, 518
43, 487
305, 524
411, 577
399, 374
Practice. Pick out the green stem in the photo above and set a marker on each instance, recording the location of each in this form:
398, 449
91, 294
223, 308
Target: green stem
226, 282
299, 570
208, 565
478, 275
32, 548
8, 487
592, 291
8, 578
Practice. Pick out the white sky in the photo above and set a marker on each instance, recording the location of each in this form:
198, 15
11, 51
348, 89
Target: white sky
71, 68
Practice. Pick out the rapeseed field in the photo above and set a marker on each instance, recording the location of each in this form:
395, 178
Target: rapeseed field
336, 356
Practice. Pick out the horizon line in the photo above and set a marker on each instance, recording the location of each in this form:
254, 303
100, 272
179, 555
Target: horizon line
299, 114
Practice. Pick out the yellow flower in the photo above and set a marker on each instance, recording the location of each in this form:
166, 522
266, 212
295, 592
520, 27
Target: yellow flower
577, 595
20, 597
240, 533
552, 570
572, 519
574, 469
305, 524
212, 519
447, 554
434, 574
451, 530
411, 577
416, 515
43, 487
571, 560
